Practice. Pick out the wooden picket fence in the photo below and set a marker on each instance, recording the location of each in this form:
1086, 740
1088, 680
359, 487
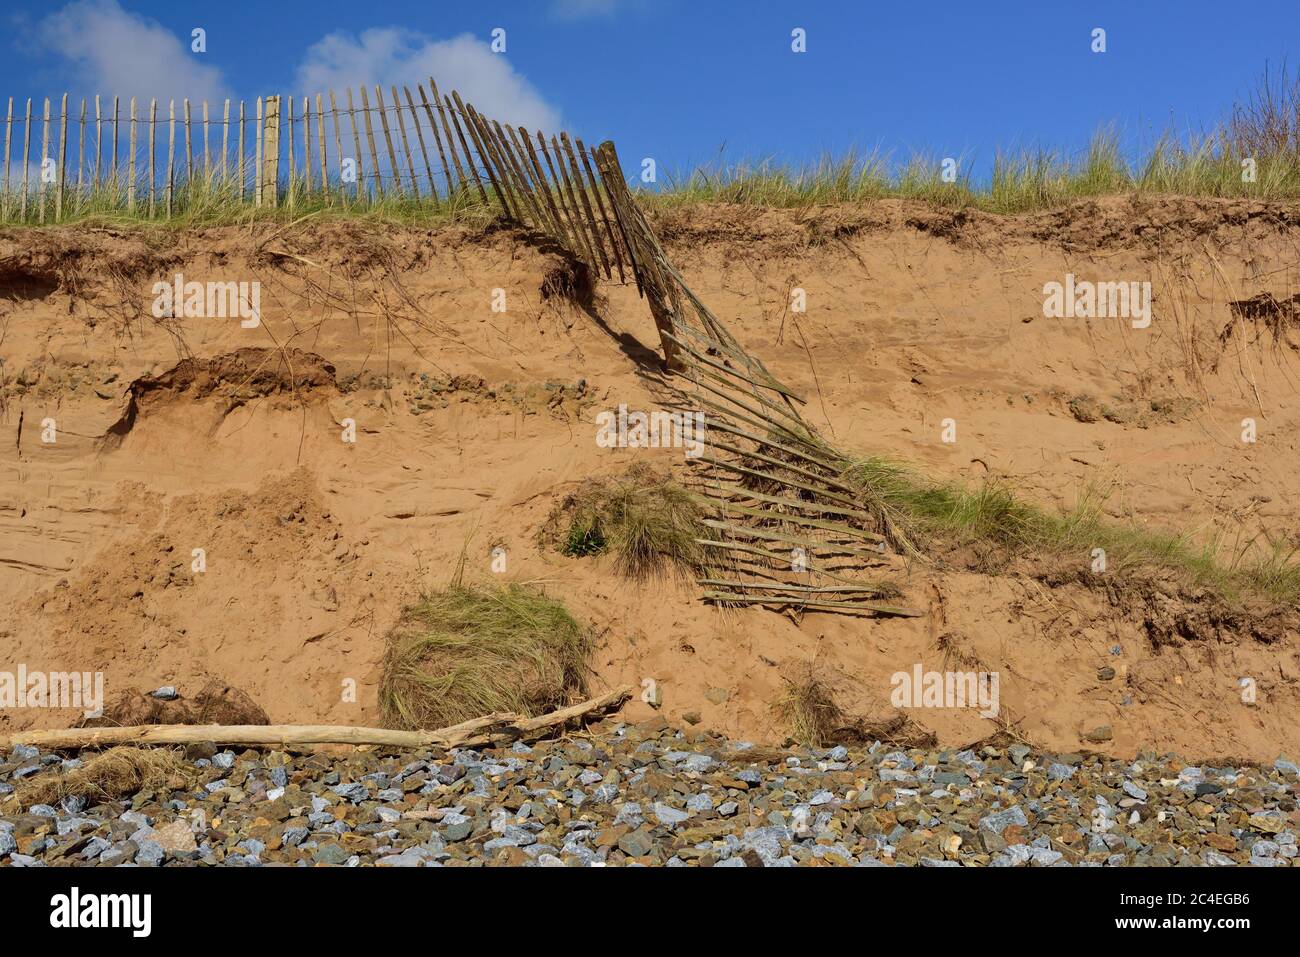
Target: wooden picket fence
424, 146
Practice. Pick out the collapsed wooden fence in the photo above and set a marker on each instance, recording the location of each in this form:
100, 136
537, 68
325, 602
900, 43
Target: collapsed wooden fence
789, 527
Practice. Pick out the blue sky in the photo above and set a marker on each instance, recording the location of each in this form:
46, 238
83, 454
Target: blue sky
680, 79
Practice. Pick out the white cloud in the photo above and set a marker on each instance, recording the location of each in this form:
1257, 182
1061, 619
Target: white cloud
114, 52
393, 56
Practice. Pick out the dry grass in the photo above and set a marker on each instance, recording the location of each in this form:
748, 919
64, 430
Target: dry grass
116, 773
807, 710
649, 523
465, 652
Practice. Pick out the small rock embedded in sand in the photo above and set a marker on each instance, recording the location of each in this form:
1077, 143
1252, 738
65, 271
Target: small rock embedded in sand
1099, 734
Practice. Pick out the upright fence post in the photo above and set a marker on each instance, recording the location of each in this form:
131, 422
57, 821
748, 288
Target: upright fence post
320, 138
370, 139
130, 163
189, 151
63, 159
338, 143
27, 136
306, 147
271, 153
257, 156
45, 154
153, 132
225, 142
9, 126
99, 143
171, 154
242, 166
293, 167
388, 138
113, 164
81, 145
356, 143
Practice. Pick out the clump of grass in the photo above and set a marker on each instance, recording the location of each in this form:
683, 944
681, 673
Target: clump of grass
116, 773
649, 523
910, 509
807, 709
464, 652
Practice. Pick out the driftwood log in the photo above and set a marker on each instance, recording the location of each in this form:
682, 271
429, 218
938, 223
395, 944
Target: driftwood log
498, 728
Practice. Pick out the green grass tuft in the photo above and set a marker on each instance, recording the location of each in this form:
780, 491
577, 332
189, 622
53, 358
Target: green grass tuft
911, 509
648, 522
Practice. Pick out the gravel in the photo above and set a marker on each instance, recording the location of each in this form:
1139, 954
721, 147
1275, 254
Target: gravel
648, 794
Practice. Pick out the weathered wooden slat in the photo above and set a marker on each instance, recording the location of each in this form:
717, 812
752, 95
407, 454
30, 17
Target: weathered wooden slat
370, 140
189, 149
81, 144
242, 163
306, 146
225, 140
113, 166
9, 128
406, 145
27, 136
356, 141
589, 217
521, 145
419, 135
45, 155
130, 162
525, 212
99, 146
153, 127
524, 176
484, 159
600, 204
469, 160
320, 143
795, 519
437, 139
291, 185
873, 608
338, 144
585, 251
257, 156
388, 139
461, 180
271, 153
496, 167
63, 159
608, 173
171, 150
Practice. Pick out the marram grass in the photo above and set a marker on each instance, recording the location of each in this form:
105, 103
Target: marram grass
911, 509
464, 652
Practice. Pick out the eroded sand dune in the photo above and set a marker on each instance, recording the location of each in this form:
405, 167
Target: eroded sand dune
176, 434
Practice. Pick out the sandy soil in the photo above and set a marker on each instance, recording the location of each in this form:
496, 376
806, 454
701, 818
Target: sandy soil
177, 434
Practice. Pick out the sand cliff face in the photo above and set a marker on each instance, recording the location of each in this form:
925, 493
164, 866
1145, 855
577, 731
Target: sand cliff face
257, 503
